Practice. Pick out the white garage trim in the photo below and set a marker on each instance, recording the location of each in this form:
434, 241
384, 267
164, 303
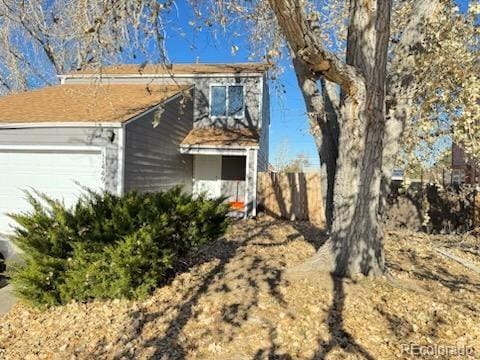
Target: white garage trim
56, 124
86, 148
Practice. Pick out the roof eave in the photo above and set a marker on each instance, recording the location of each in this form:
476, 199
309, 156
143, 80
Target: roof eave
49, 124
100, 75
223, 146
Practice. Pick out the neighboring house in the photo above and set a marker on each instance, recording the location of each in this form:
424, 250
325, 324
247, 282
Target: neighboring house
97, 130
464, 169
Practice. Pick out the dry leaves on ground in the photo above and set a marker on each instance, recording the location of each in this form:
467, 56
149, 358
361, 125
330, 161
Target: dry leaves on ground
236, 303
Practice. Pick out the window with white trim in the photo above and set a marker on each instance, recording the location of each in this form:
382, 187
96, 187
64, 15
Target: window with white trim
227, 100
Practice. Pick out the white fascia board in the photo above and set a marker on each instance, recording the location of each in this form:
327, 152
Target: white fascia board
212, 151
80, 148
143, 76
238, 147
217, 149
26, 125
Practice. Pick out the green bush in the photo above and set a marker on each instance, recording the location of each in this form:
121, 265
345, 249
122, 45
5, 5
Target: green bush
108, 246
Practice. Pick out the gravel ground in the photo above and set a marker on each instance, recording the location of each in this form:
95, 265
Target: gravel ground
235, 302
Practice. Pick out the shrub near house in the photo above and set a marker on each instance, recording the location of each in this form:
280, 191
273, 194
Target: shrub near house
108, 246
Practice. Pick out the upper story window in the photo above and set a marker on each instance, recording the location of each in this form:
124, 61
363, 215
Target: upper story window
227, 100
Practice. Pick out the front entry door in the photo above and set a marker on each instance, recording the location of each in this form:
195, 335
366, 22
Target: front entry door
207, 172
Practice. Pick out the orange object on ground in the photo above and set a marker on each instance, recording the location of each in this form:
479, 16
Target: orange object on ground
237, 205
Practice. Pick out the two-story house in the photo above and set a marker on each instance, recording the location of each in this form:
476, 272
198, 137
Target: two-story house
126, 127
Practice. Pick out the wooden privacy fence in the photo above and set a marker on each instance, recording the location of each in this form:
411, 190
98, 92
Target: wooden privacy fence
292, 196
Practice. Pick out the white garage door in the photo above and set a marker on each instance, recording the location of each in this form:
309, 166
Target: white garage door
57, 172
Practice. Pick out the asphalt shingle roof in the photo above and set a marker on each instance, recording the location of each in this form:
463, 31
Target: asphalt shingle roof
83, 103
217, 136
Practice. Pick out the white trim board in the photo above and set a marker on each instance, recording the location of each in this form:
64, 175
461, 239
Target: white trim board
101, 75
28, 125
80, 148
206, 146
212, 151
121, 161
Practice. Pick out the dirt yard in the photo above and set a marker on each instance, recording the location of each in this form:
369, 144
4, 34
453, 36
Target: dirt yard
237, 303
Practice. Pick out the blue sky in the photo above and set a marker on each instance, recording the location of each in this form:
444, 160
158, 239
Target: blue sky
288, 119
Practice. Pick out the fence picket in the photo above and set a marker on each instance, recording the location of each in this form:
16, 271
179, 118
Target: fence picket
292, 196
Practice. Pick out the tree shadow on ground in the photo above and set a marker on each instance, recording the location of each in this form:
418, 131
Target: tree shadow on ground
312, 234
339, 337
256, 274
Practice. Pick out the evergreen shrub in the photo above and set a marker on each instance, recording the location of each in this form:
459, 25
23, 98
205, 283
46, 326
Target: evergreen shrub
108, 246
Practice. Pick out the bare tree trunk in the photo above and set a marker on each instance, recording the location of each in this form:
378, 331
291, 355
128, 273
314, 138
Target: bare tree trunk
356, 239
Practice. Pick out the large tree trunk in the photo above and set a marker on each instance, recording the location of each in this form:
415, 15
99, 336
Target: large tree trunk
360, 155
356, 238
356, 243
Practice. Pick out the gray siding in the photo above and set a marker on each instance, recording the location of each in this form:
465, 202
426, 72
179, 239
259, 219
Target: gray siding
71, 136
152, 158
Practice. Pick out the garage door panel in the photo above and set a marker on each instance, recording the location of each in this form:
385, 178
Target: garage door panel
59, 174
